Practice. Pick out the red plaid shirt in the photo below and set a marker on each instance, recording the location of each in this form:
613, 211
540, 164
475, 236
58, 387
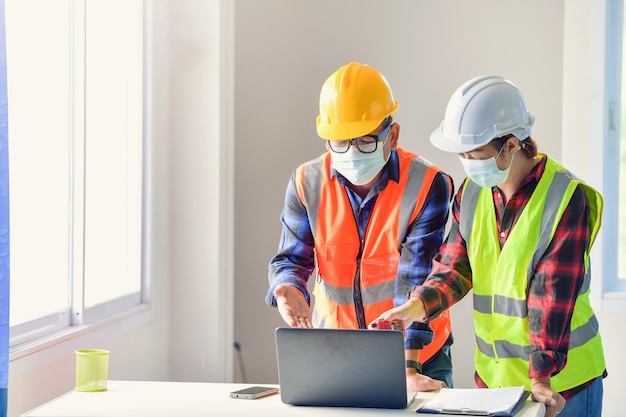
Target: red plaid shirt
553, 288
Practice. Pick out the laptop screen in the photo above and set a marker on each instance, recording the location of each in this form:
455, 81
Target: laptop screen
330, 367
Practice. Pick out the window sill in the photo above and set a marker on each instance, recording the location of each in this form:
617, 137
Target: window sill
52, 347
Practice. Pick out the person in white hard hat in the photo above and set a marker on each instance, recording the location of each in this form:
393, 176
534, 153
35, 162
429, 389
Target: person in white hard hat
521, 233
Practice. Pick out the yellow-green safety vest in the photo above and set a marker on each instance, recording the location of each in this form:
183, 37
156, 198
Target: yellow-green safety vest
501, 277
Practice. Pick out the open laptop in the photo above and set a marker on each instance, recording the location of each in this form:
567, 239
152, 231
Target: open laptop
344, 368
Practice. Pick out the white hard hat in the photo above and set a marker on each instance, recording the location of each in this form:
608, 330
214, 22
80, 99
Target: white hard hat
482, 109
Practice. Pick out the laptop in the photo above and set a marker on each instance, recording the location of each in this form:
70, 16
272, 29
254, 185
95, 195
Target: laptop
342, 368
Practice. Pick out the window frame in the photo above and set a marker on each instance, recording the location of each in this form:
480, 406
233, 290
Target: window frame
613, 286
131, 309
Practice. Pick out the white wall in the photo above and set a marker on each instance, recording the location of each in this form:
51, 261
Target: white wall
284, 50
200, 163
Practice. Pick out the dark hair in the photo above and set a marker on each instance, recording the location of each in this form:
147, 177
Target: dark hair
528, 145
386, 121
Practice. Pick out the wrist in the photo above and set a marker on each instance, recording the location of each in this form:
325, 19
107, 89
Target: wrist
417, 308
414, 365
544, 380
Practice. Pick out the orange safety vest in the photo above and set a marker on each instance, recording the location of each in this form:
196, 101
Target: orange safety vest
345, 288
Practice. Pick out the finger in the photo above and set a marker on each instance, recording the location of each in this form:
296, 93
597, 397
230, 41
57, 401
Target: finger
542, 397
389, 315
551, 411
436, 385
303, 322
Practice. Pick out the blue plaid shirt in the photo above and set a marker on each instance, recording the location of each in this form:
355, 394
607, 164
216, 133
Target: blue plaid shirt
294, 263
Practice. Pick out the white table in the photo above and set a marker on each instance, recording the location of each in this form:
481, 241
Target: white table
191, 399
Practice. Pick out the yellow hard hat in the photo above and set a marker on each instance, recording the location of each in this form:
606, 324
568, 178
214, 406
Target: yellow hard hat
354, 101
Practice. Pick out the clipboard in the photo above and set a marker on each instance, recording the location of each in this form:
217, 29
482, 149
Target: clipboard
492, 402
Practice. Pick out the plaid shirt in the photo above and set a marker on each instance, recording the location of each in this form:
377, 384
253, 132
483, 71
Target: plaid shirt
552, 289
294, 262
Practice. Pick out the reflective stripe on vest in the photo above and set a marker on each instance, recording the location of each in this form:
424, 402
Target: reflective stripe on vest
500, 281
345, 289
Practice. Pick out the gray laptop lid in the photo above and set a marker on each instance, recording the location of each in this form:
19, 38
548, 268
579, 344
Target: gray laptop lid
353, 368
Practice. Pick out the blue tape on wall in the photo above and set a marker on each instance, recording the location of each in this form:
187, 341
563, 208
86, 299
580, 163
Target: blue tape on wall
4, 222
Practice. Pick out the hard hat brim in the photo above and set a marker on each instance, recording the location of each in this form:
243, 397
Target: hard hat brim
440, 141
346, 131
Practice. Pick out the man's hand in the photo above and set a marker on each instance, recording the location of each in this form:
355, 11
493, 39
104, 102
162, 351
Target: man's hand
418, 382
542, 392
412, 310
292, 306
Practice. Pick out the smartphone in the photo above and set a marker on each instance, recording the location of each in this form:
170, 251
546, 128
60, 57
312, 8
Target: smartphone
251, 393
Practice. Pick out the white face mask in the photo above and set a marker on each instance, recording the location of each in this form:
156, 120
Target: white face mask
359, 168
485, 172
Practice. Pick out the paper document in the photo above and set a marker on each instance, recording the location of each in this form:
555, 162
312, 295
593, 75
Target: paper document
497, 402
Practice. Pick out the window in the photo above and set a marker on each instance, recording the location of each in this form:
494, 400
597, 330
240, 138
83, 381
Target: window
74, 76
614, 245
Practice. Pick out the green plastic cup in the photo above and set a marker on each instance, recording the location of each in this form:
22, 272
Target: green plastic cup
92, 369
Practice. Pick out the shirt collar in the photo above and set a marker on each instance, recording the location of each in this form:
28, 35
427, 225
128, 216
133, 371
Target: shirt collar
537, 171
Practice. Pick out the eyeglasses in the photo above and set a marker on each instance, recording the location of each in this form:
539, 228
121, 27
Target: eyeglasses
365, 144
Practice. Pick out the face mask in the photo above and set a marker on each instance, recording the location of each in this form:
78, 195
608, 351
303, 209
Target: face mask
485, 172
359, 168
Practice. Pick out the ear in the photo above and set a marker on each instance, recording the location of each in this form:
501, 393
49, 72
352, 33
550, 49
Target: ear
395, 135
512, 145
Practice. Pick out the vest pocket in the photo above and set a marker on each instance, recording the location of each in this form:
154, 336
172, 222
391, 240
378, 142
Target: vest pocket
379, 269
337, 263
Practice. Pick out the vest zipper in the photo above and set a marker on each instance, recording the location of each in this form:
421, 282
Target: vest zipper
356, 287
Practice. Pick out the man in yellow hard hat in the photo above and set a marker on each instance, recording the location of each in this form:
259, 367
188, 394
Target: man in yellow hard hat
366, 217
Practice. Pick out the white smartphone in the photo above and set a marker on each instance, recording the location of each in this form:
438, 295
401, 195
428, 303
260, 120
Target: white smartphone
251, 393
